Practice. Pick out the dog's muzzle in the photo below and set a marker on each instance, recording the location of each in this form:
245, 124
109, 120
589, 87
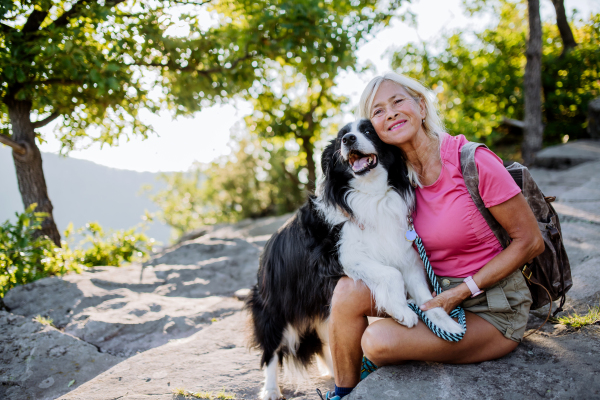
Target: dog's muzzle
360, 162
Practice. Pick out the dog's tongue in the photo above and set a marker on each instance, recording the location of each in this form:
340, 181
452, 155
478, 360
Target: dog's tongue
360, 163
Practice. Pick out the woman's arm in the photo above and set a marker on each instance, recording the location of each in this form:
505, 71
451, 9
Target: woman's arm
517, 218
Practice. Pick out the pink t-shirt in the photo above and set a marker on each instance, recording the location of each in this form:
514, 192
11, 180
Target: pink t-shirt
457, 239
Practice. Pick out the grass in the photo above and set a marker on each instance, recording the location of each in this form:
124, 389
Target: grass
578, 321
44, 320
222, 395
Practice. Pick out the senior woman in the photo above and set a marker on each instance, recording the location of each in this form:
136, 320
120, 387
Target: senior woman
458, 241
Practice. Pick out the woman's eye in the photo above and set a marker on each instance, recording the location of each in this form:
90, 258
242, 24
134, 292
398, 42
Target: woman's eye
377, 112
398, 101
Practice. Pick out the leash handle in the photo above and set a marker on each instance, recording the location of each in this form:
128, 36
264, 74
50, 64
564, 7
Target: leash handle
458, 312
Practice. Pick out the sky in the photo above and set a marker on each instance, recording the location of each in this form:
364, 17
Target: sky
205, 135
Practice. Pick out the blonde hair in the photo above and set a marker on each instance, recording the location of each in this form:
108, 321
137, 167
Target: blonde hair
432, 123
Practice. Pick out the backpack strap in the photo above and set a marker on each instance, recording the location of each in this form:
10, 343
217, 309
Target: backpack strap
471, 177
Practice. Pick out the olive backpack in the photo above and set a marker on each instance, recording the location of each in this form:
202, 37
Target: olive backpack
548, 275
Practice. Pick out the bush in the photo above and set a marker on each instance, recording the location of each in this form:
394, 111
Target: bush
26, 256
110, 248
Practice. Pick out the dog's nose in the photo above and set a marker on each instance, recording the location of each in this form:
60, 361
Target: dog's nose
349, 138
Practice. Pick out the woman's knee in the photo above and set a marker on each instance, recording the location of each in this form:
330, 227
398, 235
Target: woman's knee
374, 344
350, 296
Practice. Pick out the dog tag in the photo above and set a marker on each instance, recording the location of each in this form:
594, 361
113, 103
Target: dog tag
410, 235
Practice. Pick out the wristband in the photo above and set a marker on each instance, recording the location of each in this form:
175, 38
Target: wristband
475, 291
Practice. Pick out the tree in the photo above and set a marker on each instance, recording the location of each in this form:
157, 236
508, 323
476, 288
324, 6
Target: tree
533, 129
95, 63
295, 98
566, 34
296, 111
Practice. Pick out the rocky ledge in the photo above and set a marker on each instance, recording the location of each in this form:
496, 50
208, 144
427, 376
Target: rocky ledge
143, 331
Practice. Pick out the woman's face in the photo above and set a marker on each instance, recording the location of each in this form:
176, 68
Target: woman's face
396, 116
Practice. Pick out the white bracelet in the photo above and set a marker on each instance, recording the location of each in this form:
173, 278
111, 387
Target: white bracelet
475, 291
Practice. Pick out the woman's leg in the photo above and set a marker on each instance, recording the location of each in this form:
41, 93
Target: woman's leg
386, 342
351, 304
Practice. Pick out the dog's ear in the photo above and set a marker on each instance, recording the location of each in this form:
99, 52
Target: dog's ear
327, 158
336, 177
398, 174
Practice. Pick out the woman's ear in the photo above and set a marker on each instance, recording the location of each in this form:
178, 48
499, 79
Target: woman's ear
422, 108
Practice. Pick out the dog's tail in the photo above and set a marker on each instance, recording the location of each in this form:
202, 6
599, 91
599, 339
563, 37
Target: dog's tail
267, 328
295, 344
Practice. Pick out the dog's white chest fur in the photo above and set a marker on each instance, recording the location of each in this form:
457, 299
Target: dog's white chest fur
377, 229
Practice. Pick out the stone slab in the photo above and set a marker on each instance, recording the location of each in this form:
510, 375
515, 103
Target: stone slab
542, 367
38, 362
131, 309
211, 360
568, 154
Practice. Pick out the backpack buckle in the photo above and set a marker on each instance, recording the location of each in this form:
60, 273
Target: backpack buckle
524, 271
554, 233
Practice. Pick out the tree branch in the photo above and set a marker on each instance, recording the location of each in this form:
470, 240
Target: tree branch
191, 3
192, 68
56, 80
77, 8
46, 121
17, 148
6, 28
563, 26
34, 21
513, 122
291, 177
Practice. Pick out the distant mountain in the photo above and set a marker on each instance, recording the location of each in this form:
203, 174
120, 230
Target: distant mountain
82, 191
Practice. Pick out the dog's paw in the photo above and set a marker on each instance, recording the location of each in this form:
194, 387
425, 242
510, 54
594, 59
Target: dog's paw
443, 321
405, 316
270, 394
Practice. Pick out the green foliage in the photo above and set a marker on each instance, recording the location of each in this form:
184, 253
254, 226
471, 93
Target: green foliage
26, 256
222, 395
570, 81
478, 76
578, 321
112, 248
44, 320
96, 63
257, 179
293, 97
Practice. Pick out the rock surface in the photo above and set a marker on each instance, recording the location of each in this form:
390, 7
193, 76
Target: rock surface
39, 362
181, 312
212, 360
543, 367
568, 154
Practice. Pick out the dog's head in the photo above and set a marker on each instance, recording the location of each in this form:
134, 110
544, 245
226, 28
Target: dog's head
358, 158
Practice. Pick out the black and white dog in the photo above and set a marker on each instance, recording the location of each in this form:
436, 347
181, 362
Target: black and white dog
354, 226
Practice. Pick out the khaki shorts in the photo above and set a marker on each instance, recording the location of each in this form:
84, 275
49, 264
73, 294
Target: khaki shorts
504, 305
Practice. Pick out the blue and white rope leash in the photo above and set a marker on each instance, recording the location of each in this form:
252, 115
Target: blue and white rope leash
458, 312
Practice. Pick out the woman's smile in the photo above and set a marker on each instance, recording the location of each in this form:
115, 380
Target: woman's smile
396, 116
397, 125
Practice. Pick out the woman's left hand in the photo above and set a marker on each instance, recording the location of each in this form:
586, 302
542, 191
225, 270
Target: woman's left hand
448, 299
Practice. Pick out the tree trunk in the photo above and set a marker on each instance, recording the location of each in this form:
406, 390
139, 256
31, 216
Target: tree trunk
309, 148
563, 26
30, 174
534, 130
